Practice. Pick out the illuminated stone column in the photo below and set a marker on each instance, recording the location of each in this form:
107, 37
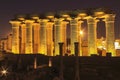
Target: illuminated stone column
110, 39
49, 38
4, 45
63, 33
43, 43
59, 34
15, 36
92, 25
80, 38
23, 37
36, 31
74, 27
29, 35
9, 43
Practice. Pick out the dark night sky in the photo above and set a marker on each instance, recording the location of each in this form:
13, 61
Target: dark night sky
8, 8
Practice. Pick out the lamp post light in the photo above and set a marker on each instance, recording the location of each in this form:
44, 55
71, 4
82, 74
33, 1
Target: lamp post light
4, 71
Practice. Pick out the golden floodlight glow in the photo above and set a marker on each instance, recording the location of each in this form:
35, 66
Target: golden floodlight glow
81, 32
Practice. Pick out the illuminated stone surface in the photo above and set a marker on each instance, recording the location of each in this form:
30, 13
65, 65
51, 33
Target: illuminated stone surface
29, 36
23, 38
41, 34
92, 49
49, 38
15, 36
74, 33
110, 39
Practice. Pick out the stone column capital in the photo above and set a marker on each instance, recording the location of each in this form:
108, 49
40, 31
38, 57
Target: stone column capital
43, 22
91, 19
35, 17
82, 15
109, 18
65, 22
21, 18
58, 21
23, 26
50, 25
15, 24
29, 21
36, 24
81, 21
74, 21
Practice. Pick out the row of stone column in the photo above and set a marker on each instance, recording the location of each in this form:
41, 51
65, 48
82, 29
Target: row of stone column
32, 37
37, 36
92, 36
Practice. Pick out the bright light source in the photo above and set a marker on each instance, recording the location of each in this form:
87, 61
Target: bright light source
117, 46
4, 72
81, 32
